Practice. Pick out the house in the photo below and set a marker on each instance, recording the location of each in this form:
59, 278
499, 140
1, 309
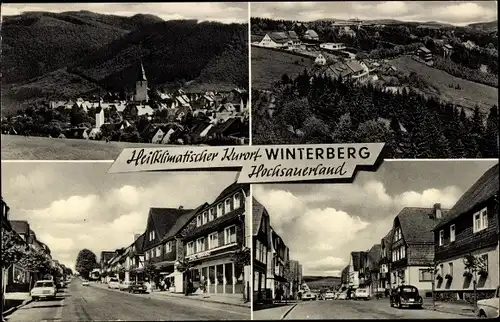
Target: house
283, 39
372, 269
471, 227
262, 246
158, 136
61, 136
384, 277
425, 54
160, 222
447, 50
344, 278
469, 44
311, 35
320, 60
412, 247
134, 260
103, 261
141, 87
277, 278
347, 70
5, 217
357, 264
295, 278
347, 31
214, 239
332, 46
231, 127
19, 279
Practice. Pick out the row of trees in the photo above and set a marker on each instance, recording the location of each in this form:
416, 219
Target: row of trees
311, 109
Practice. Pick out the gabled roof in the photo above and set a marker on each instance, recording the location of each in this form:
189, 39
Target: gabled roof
211, 225
373, 256
425, 50
354, 66
257, 212
163, 219
20, 226
311, 33
357, 260
483, 189
232, 188
183, 220
417, 224
387, 239
279, 37
139, 242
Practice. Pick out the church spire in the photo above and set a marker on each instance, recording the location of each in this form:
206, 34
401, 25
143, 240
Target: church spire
142, 76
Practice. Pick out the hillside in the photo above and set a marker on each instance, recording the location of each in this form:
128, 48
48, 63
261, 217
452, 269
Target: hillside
319, 282
35, 43
208, 55
486, 26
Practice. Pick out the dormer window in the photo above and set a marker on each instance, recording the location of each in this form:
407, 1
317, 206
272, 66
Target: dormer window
237, 201
212, 214
220, 210
228, 205
205, 217
198, 221
480, 220
452, 233
151, 235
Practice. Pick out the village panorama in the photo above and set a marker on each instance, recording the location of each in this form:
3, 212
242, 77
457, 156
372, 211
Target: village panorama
177, 117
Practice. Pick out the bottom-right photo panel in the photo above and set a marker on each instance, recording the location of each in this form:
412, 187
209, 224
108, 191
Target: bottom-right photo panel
415, 239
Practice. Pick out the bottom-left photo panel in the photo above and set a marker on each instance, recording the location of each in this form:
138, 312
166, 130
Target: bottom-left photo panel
79, 244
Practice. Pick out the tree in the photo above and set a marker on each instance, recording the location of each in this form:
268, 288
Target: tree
242, 258
150, 270
86, 261
13, 249
491, 134
474, 265
294, 113
373, 131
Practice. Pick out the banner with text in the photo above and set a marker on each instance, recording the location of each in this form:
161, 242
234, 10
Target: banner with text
258, 163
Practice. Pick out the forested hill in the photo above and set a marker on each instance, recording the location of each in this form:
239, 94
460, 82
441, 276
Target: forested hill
172, 51
36, 43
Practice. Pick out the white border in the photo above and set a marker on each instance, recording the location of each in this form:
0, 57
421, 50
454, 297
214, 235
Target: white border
249, 75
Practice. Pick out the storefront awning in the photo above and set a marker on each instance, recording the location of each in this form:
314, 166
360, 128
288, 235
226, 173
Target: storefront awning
176, 273
164, 264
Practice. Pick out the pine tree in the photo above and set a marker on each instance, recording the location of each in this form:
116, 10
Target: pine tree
491, 134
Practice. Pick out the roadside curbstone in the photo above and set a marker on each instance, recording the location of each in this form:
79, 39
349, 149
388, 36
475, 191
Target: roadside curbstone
15, 308
288, 311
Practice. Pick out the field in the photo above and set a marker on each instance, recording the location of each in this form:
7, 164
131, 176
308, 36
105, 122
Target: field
470, 94
17, 147
269, 65
318, 282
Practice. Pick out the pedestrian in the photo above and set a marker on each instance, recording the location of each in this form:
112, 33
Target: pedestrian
167, 284
162, 285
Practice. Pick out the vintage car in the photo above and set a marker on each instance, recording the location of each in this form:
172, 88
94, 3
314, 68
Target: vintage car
114, 283
44, 289
361, 294
488, 308
309, 296
138, 287
329, 295
405, 295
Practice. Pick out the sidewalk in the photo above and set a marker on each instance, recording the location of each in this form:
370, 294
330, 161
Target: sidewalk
454, 308
236, 300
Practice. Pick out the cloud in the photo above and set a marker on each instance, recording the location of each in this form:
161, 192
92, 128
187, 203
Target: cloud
213, 11
322, 227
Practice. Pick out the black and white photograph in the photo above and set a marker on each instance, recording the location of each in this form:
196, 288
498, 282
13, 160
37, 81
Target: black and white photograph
82, 245
414, 240
421, 76
82, 81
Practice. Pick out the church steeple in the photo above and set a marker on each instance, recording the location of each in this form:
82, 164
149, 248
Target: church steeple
142, 76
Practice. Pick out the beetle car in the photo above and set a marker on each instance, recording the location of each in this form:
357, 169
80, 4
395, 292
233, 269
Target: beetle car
406, 296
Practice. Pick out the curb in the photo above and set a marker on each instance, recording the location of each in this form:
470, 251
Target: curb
15, 308
470, 314
288, 311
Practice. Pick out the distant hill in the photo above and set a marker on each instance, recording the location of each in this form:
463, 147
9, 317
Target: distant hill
318, 282
486, 26
47, 55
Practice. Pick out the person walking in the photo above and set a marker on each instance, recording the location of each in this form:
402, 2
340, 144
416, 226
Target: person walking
167, 284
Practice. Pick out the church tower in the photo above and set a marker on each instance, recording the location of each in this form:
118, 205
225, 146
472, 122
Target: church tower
141, 87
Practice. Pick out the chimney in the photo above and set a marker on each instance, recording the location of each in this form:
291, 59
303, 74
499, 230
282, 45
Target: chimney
437, 211
181, 207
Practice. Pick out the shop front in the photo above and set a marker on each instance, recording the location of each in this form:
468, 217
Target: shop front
221, 274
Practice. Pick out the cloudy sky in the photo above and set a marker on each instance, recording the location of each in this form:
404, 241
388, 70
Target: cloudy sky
322, 224
214, 11
453, 12
71, 206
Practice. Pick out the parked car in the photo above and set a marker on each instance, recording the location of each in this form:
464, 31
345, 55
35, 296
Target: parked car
342, 296
406, 295
85, 283
138, 287
45, 289
329, 295
114, 283
125, 286
309, 296
488, 308
361, 294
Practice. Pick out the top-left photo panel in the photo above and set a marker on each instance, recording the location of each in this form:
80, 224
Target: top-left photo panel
84, 81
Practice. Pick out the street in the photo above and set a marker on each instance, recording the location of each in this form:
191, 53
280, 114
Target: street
349, 309
91, 303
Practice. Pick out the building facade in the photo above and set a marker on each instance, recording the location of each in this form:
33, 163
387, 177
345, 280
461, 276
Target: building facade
412, 247
385, 256
214, 238
471, 229
277, 276
262, 246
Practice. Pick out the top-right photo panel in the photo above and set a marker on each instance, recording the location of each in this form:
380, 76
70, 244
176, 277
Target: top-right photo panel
420, 76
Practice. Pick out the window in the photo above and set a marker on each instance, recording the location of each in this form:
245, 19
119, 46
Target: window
452, 233
230, 235
158, 251
213, 240
480, 220
147, 256
484, 260
168, 247
205, 217
200, 244
198, 221
190, 248
403, 252
220, 210
213, 214
237, 201
228, 205
441, 237
441, 269
450, 269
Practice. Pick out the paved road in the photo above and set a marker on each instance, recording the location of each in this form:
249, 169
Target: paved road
349, 309
89, 303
